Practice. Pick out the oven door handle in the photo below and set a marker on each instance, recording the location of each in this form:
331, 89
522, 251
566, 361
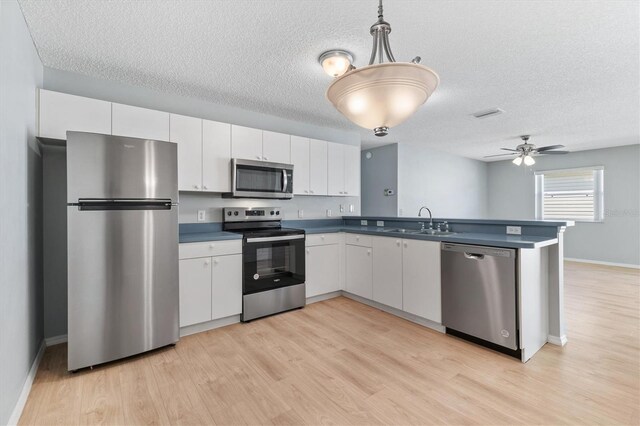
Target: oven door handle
285, 180
269, 239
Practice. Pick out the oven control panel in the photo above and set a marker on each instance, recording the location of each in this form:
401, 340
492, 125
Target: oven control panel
251, 214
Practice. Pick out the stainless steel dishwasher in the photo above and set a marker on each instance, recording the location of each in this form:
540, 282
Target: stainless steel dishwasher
479, 300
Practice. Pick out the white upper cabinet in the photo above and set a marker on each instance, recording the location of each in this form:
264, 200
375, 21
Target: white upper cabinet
246, 143
317, 167
187, 133
387, 271
140, 122
300, 161
351, 170
335, 169
276, 147
216, 156
343, 170
60, 112
421, 279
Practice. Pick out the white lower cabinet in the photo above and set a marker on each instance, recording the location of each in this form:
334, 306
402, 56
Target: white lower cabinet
359, 263
210, 281
387, 271
421, 279
195, 291
322, 272
226, 294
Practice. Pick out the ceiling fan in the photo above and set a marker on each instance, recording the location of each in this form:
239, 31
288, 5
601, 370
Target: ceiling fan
526, 150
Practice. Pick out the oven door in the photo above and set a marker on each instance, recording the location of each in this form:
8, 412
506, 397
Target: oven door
260, 179
272, 262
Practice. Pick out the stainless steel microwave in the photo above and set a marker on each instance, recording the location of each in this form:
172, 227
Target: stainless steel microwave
261, 179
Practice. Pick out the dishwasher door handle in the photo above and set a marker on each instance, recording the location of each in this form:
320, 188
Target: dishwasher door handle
473, 256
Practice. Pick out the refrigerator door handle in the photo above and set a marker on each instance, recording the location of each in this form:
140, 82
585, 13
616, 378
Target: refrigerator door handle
124, 204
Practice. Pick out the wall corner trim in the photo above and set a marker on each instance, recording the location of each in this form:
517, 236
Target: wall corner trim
26, 388
558, 341
55, 340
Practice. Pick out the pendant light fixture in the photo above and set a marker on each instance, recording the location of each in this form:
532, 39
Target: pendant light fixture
383, 94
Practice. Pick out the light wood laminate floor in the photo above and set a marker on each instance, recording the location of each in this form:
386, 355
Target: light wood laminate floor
341, 362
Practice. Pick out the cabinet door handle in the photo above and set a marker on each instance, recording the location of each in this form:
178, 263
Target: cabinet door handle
308, 251
306, 191
211, 246
369, 252
206, 263
322, 236
357, 238
398, 243
406, 245
265, 158
311, 191
205, 187
215, 261
196, 186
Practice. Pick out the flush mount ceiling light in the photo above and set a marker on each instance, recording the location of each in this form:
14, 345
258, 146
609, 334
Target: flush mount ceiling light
383, 95
336, 62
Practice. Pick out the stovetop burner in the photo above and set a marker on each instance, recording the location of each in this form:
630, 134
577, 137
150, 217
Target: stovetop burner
256, 222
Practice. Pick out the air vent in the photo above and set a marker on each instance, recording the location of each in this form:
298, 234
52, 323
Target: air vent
488, 113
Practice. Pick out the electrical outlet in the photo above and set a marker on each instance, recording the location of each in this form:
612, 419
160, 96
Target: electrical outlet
328, 212
514, 230
201, 214
351, 208
341, 208
300, 213
363, 222
380, 223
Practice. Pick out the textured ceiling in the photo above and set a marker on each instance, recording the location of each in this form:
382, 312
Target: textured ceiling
566, 72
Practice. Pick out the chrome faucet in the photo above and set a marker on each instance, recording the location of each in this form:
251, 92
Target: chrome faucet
430, 215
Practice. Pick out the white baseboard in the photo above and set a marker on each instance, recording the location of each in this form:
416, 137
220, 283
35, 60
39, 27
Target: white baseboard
558, 341
397, 312
26, 388
322, 297
209, 325
598, 262
55, 340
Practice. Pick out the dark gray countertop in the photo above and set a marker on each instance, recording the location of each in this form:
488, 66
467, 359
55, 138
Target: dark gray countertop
496, 240
192, 234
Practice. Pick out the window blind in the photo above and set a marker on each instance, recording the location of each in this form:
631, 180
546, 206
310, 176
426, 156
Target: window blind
574, 194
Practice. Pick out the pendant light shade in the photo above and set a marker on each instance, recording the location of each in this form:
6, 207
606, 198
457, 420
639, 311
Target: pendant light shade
383, 95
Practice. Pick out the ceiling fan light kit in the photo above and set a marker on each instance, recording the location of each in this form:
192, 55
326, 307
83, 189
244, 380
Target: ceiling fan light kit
526, 150
383, 95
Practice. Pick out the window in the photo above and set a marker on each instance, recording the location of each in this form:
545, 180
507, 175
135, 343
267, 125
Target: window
571, 194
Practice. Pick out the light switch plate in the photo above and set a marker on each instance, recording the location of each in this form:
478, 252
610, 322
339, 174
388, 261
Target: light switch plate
363, 222
201, 215
351, 208
328, 212
380, 223
341, 208
514, 230
300, 213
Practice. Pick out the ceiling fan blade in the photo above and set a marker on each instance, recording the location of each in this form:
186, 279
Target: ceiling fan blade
498, 155
509, 149
547, 148
553, 152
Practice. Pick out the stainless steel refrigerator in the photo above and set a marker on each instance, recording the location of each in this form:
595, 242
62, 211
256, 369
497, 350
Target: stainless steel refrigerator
122, 243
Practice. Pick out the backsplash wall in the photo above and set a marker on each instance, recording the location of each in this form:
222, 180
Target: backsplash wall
312, 207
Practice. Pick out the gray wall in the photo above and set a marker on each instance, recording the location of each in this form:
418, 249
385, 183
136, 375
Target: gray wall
379, 172
451, 186
21, 305
617, 239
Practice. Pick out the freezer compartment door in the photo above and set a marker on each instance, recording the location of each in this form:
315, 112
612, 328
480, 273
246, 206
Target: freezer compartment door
115, 167
479, 292
123, 283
